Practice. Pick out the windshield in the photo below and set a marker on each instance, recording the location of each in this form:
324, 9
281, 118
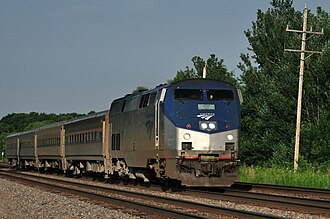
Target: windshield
188, 94
220, 95
190, 102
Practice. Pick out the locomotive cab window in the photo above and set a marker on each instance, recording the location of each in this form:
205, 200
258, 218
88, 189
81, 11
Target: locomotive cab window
152, 99
188, 94
132, 103
117, 106
144, 100
220, 95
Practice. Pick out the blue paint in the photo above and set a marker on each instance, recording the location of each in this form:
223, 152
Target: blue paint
183, 112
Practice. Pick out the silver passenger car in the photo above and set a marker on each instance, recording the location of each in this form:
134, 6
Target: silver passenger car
21, 149
49, 146
186, 132
86, 144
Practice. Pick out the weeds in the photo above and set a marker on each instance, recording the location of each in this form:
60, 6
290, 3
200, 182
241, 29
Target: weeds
308, 177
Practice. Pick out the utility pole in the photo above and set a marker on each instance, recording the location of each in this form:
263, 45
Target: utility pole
301, 76
204, 72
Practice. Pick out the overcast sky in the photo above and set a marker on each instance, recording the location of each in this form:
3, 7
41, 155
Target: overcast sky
77, 56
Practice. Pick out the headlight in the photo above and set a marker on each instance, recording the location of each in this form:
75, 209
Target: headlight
212, 126
208, 125
203, 125
230, 137
186, 136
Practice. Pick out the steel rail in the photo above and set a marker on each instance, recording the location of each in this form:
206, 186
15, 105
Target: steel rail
317, 206
322, 193
104, 198
157, 210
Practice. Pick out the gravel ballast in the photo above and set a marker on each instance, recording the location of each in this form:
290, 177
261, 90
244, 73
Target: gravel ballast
19, 201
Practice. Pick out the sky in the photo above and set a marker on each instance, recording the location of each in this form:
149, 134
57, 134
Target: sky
78, 56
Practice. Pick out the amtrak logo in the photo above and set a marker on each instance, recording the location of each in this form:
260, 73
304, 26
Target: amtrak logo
206, 116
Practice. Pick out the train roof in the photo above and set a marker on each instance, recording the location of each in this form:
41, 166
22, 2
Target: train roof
57, 124
90, 116
21, 133
192, 81
197, 81
142, 92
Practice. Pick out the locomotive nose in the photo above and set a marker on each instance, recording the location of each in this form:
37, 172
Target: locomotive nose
207, 141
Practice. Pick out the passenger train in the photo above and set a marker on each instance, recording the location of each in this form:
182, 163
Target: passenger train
186, 131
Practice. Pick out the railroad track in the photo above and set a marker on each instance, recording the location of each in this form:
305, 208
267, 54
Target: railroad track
301, 191
297, 204
4, 165
171, 208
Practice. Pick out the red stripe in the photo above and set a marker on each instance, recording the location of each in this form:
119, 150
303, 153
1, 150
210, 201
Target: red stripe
190, 157
195, 157
224, 157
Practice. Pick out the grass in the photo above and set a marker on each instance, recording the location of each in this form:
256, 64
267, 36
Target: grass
281, 176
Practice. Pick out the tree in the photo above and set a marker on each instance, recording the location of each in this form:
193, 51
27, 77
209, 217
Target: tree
91, 112
139, 90
184, 74
214, 67
269, 81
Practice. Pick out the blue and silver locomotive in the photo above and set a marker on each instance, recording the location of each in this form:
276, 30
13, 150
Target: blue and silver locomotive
186, 131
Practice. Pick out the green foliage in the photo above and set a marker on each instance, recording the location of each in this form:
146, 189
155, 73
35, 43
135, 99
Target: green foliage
325, 167
18, 122
215, 69
270, 81
308, 177
3, 136
316, 137
139, 90
184, 74
37, 124
91, 112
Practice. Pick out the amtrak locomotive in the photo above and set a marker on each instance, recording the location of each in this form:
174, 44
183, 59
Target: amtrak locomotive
187, 131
